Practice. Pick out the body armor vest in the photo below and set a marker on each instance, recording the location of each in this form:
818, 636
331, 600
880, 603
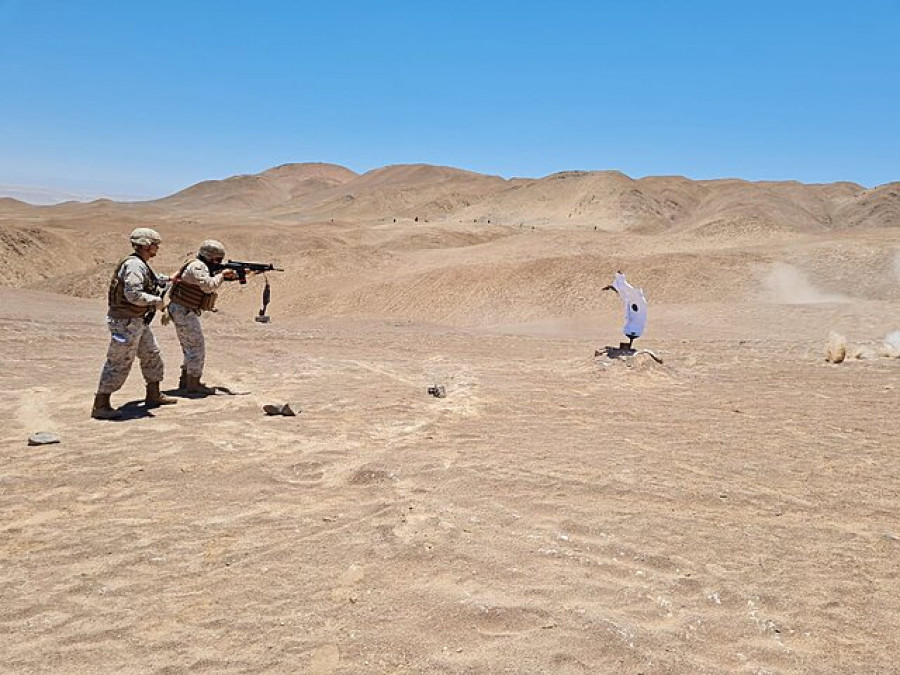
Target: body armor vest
192, 296
119, 307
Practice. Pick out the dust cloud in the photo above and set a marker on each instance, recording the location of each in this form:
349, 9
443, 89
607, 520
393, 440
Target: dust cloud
785, 284
892, 345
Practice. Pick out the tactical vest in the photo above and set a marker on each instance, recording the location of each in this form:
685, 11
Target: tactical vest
119, 307
190, 295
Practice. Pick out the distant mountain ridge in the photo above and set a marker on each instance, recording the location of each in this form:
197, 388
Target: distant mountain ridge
42, 196
604, 200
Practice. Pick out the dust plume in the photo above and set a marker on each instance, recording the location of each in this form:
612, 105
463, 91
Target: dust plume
838, 350
891, 345
788, 285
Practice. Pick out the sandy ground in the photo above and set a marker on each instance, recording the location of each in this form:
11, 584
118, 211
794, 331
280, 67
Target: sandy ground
732, 510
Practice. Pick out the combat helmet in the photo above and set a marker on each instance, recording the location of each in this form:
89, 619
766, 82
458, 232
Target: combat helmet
211, 249
144, 236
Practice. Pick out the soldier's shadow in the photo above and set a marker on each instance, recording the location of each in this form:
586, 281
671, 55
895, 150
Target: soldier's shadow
217, 391
134, 410
181, 393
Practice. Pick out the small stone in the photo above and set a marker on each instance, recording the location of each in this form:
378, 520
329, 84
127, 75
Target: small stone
285, 410
43, 438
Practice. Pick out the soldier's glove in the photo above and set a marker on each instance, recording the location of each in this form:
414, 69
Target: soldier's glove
164, 317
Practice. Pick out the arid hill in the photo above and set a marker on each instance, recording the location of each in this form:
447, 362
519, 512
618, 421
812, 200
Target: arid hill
261, 191
406, 191
442, 244
608, 200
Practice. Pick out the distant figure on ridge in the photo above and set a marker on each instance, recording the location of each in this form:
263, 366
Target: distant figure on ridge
634, 304
135, 293
193, 292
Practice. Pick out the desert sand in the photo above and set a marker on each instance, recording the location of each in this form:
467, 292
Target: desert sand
731, 510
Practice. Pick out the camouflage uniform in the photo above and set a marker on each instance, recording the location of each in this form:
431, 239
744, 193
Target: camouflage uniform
131, 337
187, 320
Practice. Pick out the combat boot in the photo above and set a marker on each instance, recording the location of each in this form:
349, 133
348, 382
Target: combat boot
182, 380
195, 386
156, 398
102, 409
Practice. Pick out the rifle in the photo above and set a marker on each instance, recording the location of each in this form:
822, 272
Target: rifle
160, 287
243, 267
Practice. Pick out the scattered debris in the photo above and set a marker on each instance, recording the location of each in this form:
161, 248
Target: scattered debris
839, 350
836, 348
43, 438
285, 410
623, 351
437, 391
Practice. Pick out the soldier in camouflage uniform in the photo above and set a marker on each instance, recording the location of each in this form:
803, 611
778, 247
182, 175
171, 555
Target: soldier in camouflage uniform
193, 292
134, 293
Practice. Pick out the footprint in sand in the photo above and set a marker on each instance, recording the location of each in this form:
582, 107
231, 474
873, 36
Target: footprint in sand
305, 473
325, 659
32, 412
502, 621
346, 587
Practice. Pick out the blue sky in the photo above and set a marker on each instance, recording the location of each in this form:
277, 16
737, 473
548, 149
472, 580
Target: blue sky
145, 98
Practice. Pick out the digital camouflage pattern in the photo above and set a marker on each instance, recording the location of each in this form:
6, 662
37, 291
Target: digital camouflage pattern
197, 273
144, 236
211, 248
131, 338
132, 274
190, 335
187, 321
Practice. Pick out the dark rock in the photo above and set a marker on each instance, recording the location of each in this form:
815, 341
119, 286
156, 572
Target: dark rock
285, 410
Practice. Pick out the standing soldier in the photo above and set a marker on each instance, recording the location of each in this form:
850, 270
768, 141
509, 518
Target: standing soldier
193, 292
134, 296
